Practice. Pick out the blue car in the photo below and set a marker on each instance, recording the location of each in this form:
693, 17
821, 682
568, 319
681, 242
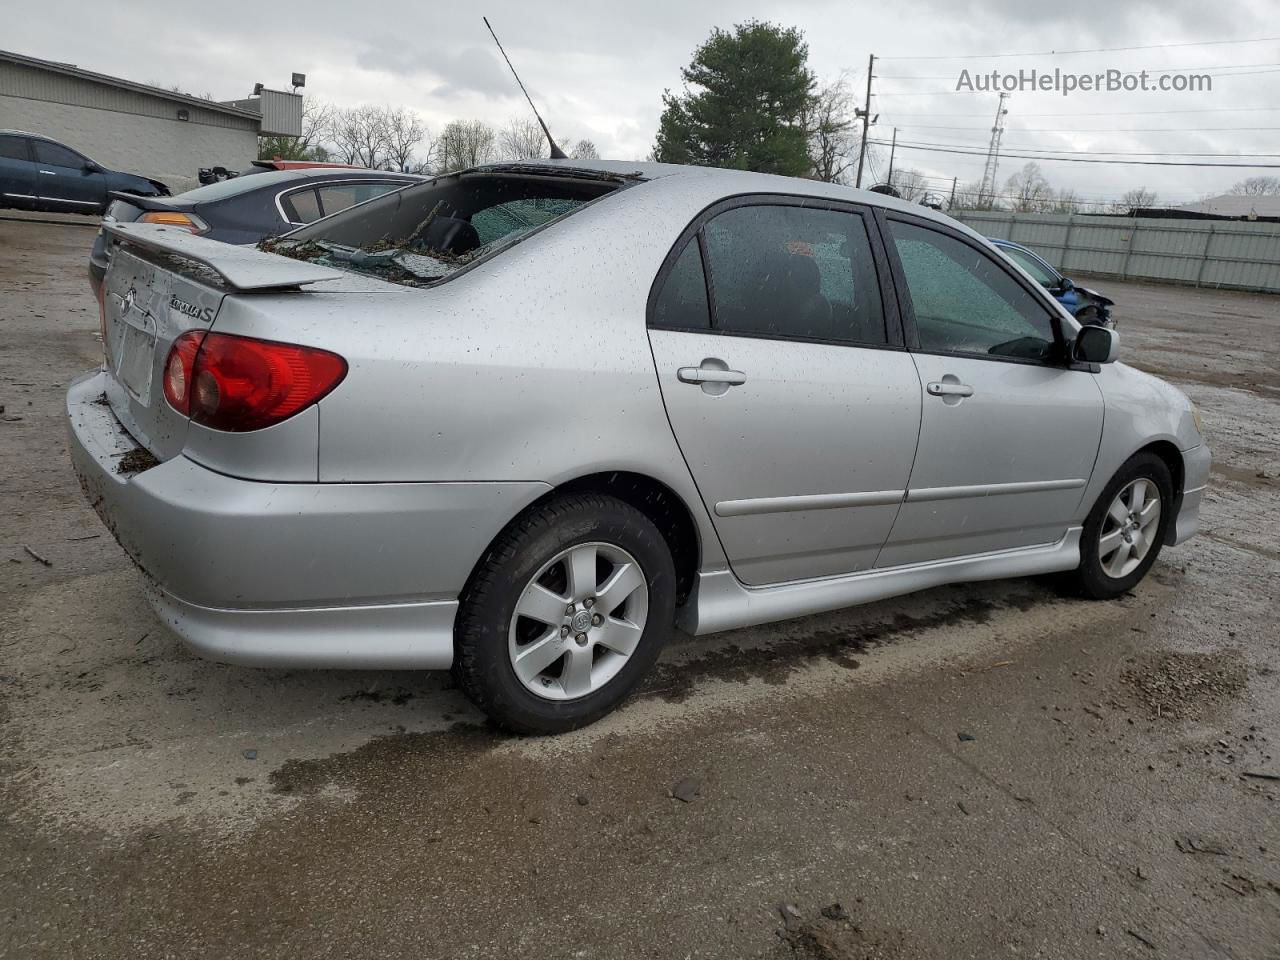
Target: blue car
37, 173
1087, 306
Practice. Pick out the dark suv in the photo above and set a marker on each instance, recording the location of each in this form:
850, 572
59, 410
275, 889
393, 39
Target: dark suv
37, 173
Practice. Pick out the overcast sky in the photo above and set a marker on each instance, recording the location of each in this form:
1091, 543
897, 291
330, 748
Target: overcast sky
598, 69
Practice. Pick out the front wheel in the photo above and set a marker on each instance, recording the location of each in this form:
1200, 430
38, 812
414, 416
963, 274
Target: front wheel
566, 613
1124, 532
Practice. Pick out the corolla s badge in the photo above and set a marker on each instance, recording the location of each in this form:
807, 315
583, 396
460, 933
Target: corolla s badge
204, 314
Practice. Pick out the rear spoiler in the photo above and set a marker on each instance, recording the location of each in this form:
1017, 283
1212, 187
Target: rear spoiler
245, 268
142, 203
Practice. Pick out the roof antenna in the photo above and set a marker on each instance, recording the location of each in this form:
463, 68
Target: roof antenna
556, 152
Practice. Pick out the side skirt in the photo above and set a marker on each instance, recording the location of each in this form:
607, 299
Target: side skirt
722, 602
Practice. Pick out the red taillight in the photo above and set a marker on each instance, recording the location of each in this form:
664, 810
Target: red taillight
237, 383
179, 368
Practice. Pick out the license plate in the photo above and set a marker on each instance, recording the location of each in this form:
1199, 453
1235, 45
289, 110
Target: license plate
135, 346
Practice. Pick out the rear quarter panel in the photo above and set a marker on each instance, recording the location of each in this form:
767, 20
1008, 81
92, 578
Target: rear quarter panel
533, 366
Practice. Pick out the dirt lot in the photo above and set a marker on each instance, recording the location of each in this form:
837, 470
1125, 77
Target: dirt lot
981, 771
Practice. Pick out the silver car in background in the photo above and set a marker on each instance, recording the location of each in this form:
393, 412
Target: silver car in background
522, 420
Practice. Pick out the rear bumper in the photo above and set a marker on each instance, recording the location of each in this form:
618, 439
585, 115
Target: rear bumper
1195, 478
361, 575
389, 636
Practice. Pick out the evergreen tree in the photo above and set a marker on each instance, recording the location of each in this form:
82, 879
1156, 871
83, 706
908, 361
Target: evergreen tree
746, 99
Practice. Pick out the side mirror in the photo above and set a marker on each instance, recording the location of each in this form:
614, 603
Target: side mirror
92, 167
1095, 345
1065, 285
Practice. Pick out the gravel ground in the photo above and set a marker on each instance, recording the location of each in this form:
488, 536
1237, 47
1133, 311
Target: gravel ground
973, 771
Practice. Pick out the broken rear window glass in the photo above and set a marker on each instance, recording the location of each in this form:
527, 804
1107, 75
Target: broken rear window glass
422, 234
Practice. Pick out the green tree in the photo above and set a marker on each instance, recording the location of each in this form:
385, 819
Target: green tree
747, 95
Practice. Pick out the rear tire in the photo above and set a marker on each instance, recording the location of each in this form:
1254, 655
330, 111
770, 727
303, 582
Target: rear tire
1125, 529
566, 613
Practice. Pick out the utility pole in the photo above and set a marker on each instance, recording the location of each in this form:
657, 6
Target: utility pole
987, 192
893, 148
866, 119
952, 204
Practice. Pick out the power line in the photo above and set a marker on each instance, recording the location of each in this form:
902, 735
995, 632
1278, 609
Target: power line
1082, 197
1110, 153
1065, 53
1139, 163
926, 126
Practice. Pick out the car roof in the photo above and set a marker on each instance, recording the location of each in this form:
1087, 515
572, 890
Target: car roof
24, 133
733, 182
317, 173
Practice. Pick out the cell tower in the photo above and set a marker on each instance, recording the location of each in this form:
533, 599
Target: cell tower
987, 192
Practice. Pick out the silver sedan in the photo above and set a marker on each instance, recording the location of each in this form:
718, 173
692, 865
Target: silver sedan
522, 420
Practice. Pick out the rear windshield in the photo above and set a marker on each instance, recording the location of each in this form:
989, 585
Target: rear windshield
422, 234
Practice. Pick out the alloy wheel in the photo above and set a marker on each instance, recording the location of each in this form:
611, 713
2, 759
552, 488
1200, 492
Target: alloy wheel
1129, 529
578, 621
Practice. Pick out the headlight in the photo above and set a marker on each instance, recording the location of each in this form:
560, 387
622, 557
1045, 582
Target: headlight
1195, 418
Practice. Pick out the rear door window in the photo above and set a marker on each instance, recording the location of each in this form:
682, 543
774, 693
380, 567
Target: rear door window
682, 301
302, 206
14, 148
338, 196
791, 271
56, 155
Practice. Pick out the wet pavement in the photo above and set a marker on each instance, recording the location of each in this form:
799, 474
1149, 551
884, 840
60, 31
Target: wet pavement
975, 771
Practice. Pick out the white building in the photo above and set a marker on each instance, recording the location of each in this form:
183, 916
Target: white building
1235, 205
136, 128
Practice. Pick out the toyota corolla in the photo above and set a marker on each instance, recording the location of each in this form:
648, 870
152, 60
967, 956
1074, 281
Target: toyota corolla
522, 421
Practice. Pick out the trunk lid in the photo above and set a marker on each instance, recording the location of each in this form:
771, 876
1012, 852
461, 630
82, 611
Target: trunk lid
146, 308
163, 282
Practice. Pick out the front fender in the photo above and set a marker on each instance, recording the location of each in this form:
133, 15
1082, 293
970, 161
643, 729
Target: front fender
1140, 410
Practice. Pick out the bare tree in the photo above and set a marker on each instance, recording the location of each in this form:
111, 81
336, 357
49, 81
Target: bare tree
833, 146
1141, 197
968, 196
359, 135
910, 184
522, 140
1065, 201
584, 150
317, 117
1256, 187
464, 143
406, 133
1028, 189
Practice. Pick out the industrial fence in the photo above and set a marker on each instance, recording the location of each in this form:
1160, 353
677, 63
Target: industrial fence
1231, 254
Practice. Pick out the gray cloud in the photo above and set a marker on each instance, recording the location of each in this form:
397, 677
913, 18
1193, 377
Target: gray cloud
599, 71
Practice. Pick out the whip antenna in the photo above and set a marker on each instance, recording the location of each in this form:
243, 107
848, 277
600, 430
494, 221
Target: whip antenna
556, 152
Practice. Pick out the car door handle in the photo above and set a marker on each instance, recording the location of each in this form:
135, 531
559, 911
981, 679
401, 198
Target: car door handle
49, 173
733, 378
949, 390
